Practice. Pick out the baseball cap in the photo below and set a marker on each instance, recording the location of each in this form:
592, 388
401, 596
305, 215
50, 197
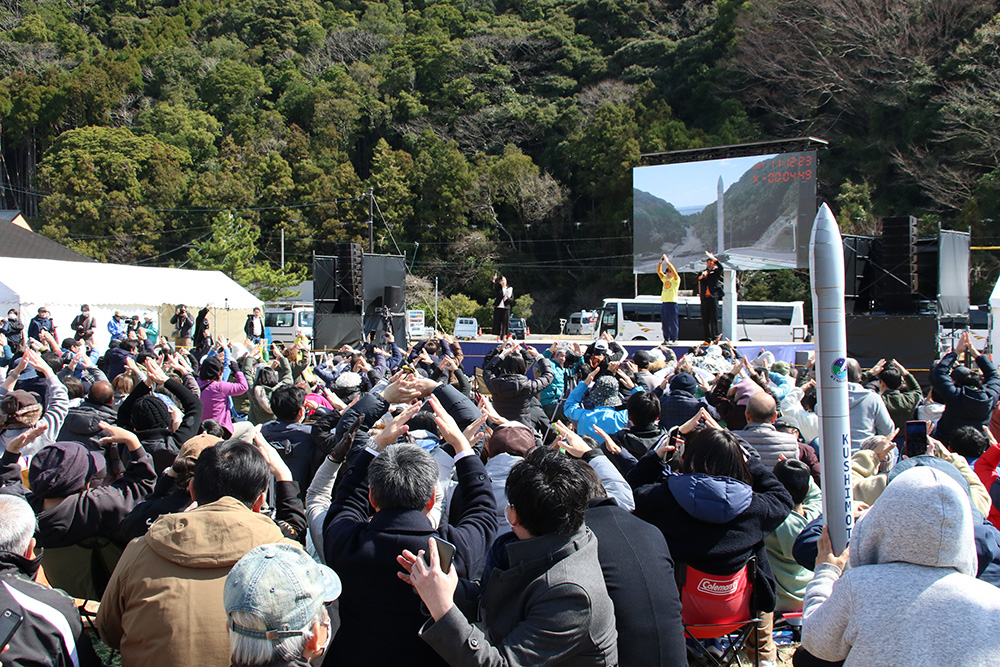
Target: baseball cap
282, 586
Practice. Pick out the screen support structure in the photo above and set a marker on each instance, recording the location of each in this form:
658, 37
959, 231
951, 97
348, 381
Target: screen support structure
729, 304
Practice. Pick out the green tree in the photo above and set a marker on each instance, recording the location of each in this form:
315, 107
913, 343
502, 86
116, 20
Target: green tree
194, 131
109, 191
854, 209
231, 247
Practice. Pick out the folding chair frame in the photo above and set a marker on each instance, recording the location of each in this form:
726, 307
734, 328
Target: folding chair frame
743, 633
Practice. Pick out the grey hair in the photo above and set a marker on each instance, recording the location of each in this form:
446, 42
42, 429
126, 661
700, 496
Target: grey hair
17, 525
403, 477
873, 441
253, 651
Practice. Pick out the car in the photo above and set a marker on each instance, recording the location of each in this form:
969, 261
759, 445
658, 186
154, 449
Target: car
518, 328
466, 328
581, 323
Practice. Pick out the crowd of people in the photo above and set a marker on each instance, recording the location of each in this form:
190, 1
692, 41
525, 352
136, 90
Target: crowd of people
234, 503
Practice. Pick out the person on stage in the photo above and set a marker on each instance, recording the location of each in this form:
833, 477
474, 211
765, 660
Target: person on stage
668, 299
710, 291
501, 306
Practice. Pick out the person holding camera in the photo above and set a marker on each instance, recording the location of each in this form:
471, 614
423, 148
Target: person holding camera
183, 323
118, 326
13, 329
84, 325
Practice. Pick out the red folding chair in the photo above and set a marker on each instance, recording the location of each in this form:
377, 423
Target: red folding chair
716, 607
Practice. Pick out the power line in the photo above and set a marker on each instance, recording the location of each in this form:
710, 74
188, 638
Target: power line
131, 207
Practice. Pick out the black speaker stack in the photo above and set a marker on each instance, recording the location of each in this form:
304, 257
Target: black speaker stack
896, 287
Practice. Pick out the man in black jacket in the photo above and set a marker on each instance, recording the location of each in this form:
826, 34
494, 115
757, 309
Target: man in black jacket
82, 422
969, 396
710, 291
379, 614
78, 516
50, 632
639, 574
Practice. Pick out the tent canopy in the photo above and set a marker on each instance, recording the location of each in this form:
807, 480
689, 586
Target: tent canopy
27, 284
46, 281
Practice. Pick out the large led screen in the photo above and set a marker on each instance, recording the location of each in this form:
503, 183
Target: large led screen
763, 206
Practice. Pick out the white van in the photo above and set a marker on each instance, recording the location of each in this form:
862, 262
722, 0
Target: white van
581, 323
284, 320
639, 319
466, 328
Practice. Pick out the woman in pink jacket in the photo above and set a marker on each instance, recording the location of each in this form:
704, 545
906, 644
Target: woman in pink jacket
215, 393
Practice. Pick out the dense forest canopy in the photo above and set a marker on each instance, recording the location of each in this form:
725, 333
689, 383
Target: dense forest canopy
493, 134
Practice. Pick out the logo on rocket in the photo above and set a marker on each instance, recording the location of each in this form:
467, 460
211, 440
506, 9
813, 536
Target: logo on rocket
839, 370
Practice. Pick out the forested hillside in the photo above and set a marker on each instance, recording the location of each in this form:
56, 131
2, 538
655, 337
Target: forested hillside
492, 133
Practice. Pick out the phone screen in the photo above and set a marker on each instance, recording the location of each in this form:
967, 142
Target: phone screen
916, 438
446, 554
10, 621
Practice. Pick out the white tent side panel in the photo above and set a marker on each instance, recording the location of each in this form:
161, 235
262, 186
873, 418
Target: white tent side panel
27, 284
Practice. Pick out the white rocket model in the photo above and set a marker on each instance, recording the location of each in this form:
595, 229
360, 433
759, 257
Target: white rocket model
826, 269
720, 218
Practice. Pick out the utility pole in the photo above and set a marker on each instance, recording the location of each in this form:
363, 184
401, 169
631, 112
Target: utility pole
282, 248
371, 220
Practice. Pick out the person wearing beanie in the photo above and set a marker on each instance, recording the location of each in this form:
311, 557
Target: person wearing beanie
161, 430
680, 404
78, 512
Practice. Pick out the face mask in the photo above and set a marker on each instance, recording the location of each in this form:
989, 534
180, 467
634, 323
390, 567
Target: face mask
12, 318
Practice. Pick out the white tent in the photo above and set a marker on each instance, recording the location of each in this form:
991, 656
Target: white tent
27, 284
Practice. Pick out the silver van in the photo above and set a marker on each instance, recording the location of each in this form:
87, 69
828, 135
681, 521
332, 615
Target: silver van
581, 323
284, 321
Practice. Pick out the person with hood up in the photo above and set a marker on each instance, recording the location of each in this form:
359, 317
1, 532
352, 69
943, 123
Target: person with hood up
605, 395
911, 557
969, 397
717, 512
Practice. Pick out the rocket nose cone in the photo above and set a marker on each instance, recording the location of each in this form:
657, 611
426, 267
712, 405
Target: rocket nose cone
824, 215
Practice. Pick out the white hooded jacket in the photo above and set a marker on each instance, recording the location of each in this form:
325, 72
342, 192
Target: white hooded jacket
910, 596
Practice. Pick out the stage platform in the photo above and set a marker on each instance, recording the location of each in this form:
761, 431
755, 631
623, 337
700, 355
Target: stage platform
476, 350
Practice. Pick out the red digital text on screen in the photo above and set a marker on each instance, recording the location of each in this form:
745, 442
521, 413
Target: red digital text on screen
784, 168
